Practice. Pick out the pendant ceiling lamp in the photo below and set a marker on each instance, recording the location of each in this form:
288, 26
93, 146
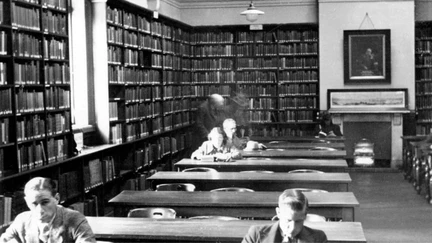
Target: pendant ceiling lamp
252, 13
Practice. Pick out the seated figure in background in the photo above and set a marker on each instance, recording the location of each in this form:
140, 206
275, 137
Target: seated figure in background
230, 128
291, 211
47, 221
326, 128
216, 148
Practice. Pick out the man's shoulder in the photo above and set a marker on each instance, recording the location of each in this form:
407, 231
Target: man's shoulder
71, 216
316, 234
262, 228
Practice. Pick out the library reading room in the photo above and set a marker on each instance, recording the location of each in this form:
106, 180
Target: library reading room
231, 121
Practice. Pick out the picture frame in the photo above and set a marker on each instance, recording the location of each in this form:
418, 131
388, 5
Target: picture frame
367, 56
367, 100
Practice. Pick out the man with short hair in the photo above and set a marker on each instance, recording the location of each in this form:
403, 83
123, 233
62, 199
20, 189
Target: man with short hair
47, 221
291, 211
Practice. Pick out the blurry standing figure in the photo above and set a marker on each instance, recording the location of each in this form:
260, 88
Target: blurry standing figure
210, 114
237, 111
326, 128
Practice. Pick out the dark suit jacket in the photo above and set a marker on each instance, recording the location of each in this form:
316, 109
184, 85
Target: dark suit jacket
271, 234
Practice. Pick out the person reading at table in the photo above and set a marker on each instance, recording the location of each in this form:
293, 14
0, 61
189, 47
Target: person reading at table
47, 221
291, 211
230, 127
326, 128
216, 148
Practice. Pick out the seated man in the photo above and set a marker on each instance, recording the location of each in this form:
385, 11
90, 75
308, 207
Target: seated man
47, 221
230, 127
326, 128
216, 147
292, 210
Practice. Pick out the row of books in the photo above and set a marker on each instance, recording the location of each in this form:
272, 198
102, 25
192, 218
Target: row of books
55, 4
5, 101
99, 171
212, 37
212, 50
137, 111
130, 75
206, 90
55, 49
116, 133
31, 155
30, 127
298, 48
137, 130
170, 106
3, 42
212, 64
259, 36
256, 50
298, 89
213, 77
298, 103
68, 185
29, 101
26, 45
54, 23
57, 73
259, 90
262, 103
137, 94
297, 35
424, 115
57, 149
57, 98
299, 76
424, 102
280, 132
27, 73
424, 60
3, 74
4, 131
424, 88
257, 63
26, 18
256, 76
305, 62
177, 91
296, 116
261, 116
423, 129
58, 123
175, 77
88, 207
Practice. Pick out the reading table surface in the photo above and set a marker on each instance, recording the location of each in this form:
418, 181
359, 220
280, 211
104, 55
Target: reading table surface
205, 181
236, 204
272, 164
116, 229
298, 153
296, 145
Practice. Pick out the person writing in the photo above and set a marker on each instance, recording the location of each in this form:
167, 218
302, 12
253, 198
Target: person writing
47, 221
216, 148
291, 211
326, 128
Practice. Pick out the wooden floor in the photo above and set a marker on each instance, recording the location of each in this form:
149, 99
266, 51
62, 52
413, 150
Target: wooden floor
390, 210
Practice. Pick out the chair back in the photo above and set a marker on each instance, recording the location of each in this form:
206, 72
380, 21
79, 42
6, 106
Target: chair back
306, 190
310, 217
214, 217
188, 187
305, 171
232, 189
154, 213
256, 171
199, 169
323, 148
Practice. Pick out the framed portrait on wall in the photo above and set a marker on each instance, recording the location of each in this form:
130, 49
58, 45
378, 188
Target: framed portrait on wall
367, 56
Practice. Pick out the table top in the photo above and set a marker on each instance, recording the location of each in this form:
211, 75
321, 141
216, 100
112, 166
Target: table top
296, 145
227, 199
174, 230
306, 139
298, 153
273, 164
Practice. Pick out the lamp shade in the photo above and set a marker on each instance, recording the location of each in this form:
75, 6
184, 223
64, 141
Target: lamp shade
252, 13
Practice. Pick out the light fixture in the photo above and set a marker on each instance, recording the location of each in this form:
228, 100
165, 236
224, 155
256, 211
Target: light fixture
252, 13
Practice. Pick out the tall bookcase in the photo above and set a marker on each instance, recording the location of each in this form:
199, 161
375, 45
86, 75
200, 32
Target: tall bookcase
423, 80
34, 84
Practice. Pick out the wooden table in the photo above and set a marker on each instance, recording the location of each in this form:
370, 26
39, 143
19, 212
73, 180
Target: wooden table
273, 164
116, 229
299, 153
262, 205
296, 145
307, 139
205, 181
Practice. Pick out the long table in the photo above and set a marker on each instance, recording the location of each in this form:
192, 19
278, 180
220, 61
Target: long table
299, 153
295, 145
340, 205
307, 139
116, 229
273, 164
205, 181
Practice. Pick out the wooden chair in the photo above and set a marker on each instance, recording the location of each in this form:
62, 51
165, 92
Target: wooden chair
199, 169
307, 190
305, 171
188, 187
310, 217
323, 148
155, 213
214, 217
256, 171
232, 189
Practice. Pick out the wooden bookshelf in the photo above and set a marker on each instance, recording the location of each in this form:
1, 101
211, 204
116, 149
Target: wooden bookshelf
423, 81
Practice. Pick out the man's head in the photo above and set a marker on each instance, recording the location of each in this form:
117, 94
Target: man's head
216, 101
42, 198
216, 137
292, 210
327, 118
229, 127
